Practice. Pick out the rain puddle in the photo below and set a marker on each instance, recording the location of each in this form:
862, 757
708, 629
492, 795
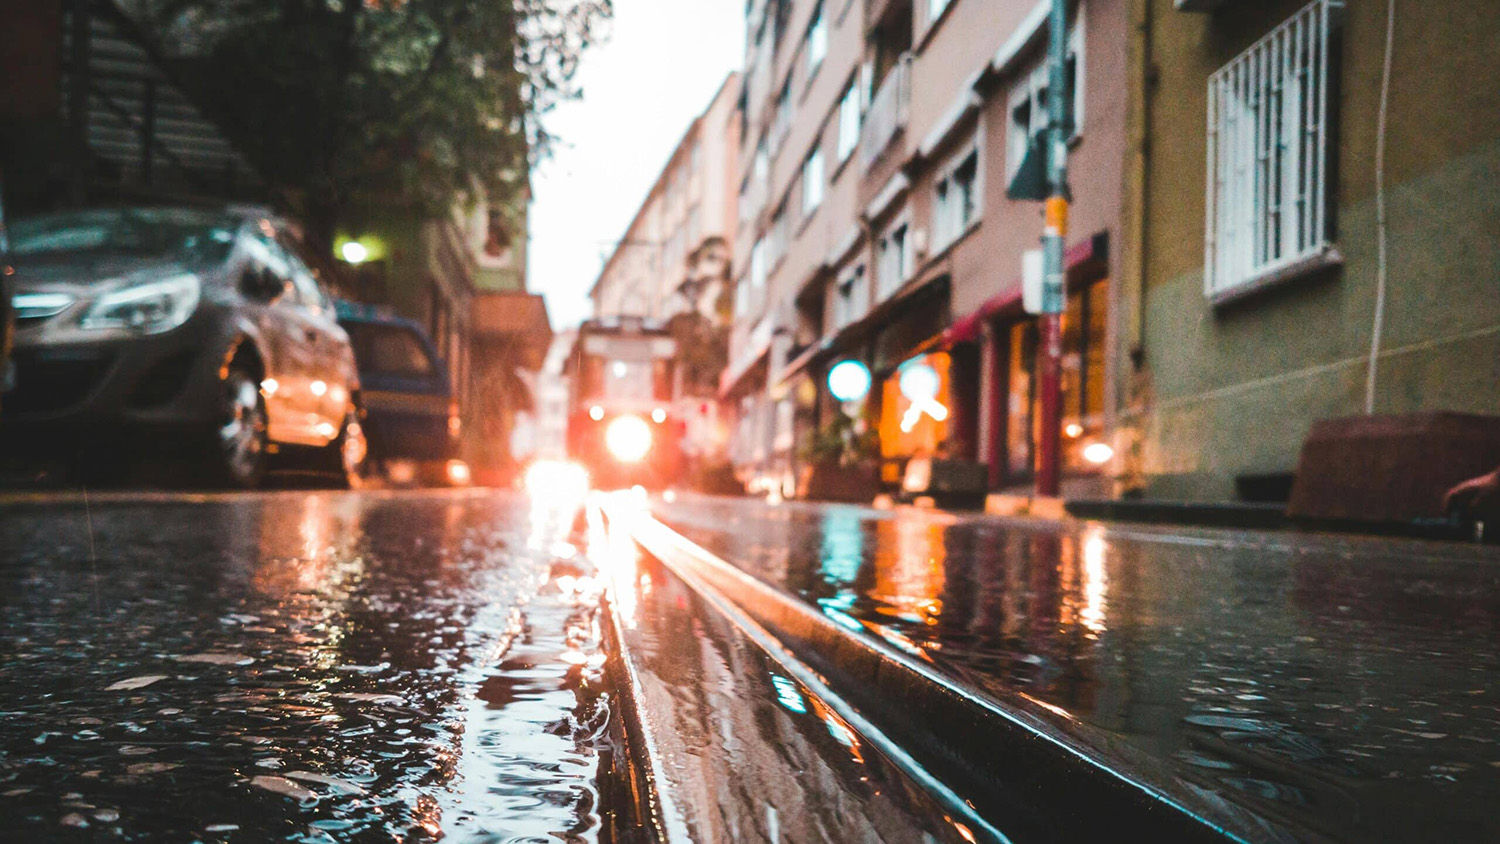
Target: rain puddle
298, 667
1347, 686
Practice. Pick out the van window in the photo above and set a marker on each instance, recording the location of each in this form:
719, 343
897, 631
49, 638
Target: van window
389, 350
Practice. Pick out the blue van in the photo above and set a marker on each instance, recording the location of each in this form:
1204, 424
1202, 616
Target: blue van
411, 416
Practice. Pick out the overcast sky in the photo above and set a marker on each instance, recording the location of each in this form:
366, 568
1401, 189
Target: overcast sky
662, 64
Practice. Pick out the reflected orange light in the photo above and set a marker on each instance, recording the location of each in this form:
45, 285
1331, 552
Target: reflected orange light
1054, 709
458, 473
615, 553
1095, 581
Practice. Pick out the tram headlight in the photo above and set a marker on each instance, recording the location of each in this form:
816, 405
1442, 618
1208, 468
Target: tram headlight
628, 438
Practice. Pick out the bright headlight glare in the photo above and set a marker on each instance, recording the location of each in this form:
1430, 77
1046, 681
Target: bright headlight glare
147, 308
628, 438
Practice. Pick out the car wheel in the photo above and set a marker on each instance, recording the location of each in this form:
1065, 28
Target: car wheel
239, 458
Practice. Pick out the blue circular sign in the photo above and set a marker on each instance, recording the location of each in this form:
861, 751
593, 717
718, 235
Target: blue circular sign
849, 380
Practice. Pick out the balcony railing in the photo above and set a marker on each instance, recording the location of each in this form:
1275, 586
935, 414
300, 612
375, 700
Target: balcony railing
888, 112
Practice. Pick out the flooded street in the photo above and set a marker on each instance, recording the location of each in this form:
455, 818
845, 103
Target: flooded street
298, 667
1343, 686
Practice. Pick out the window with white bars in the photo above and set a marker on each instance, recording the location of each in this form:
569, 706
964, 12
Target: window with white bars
1268, 154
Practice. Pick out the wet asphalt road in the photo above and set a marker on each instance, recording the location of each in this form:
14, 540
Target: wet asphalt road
1348, 687
297, 667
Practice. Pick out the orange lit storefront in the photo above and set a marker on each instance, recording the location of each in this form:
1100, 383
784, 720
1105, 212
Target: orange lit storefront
1007, 337
925, 397
1085, 322
915, 421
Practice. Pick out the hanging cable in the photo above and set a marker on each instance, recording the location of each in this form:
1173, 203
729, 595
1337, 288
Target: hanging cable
1380, 264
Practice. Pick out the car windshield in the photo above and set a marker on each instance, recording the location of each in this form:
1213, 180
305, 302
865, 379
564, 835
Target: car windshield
187, 236
389, 350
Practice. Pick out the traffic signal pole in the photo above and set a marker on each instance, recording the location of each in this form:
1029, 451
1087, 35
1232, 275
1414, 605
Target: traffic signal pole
1054, 235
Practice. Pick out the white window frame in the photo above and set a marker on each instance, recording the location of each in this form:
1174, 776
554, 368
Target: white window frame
851, 120
948, 221
1268, 160
758, 264
814, 174
890, 282
817, 40
1029, 88
784, 115
851, 296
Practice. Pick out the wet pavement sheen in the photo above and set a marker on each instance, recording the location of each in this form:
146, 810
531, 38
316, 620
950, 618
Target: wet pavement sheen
1344, 686
742, 751
298, 667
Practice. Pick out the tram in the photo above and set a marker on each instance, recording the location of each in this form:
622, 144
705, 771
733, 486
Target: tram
621, 426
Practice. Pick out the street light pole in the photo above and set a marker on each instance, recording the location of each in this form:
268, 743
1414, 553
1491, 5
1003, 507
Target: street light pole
1054, 235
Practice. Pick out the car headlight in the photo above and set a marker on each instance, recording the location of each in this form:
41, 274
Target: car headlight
147, 308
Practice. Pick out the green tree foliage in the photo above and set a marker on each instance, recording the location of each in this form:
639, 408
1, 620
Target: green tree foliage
342, 103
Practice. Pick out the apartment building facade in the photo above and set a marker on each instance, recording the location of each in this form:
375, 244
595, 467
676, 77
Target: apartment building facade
1274, 162
674, 256
879, 140
672, 267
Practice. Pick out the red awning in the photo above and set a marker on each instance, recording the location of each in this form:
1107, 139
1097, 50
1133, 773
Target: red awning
968, 328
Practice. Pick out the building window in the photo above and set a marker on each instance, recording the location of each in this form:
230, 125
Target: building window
783, 119
817, 41
1268, 155
956, 204
758, 265
893, 255
742, 297
781, 16
935, 9
849, 121
745, 209
812, 183
692, 227
776, 248
851, 295
1028, 103
762, 163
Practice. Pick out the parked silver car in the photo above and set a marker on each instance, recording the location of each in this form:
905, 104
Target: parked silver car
198, 330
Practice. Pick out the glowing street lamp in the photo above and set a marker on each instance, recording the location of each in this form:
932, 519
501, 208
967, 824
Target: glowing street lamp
354, 252
920, 385
849, 381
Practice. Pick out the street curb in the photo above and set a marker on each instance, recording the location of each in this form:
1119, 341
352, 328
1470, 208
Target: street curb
1014, 769
962, 814
652, 805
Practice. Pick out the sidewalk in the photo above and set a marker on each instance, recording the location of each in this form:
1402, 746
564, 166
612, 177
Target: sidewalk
1280, 685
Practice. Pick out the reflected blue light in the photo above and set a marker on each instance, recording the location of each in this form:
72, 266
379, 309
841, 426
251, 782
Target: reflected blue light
843, 546
843, 619
787, 694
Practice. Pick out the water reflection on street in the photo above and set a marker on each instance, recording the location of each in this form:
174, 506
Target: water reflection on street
1346, 685
301, 667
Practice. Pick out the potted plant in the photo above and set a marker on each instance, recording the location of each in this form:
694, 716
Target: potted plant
839, 461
